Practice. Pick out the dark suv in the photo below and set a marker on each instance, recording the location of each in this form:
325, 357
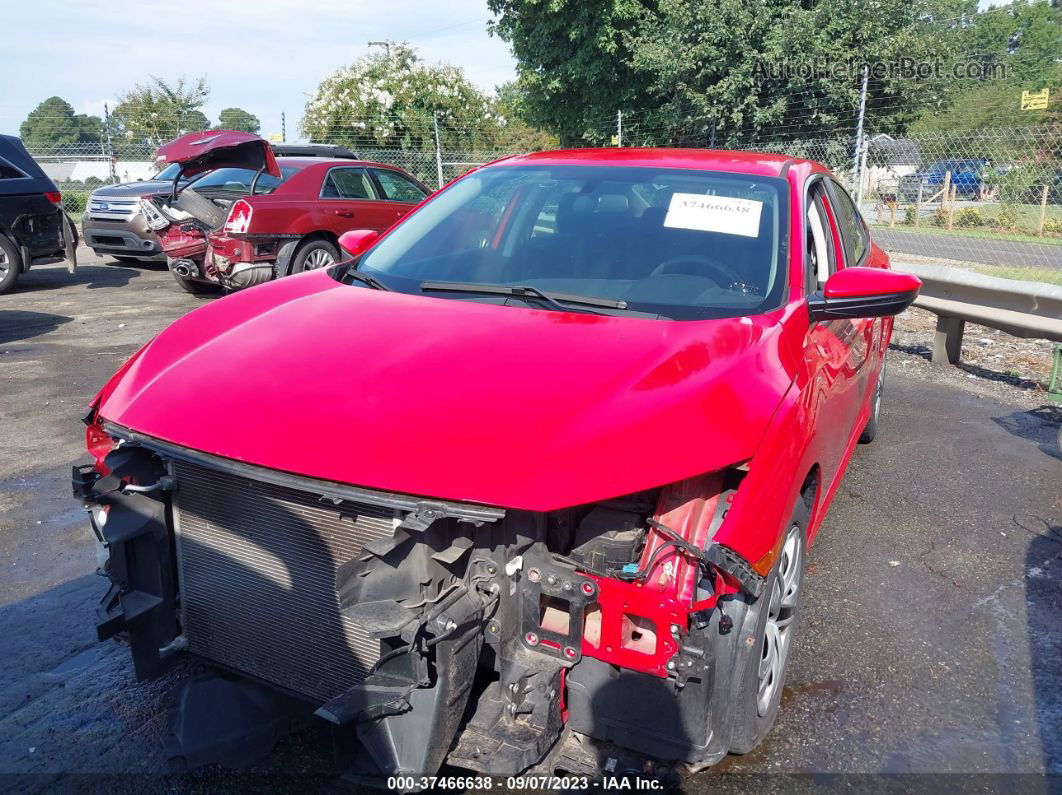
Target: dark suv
34, 230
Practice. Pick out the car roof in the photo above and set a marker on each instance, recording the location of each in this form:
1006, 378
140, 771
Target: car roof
326, 162
758, 163
35, 181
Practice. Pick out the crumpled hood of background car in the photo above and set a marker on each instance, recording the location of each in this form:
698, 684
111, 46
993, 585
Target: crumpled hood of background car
453, 399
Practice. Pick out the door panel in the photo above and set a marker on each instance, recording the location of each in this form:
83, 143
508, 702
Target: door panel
352, 201
856, 243
828, 349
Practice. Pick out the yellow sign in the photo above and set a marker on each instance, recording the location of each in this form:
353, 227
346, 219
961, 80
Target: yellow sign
615, 140
276, 138
1034, 100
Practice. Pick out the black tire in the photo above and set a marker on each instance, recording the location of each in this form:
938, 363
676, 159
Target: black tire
195, 287
756, 707
307, 254
870, 430
10, 264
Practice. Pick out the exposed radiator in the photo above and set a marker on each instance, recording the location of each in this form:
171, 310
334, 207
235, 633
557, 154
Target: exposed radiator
257, 566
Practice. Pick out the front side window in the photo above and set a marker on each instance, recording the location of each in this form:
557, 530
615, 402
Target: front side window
853, 232
680, 244
398, 187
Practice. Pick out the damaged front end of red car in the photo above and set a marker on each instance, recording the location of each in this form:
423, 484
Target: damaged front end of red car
499, 641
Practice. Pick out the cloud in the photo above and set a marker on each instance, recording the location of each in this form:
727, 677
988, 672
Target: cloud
93, 107
265, 57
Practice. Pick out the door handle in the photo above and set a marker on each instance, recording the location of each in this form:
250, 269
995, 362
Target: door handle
344, 213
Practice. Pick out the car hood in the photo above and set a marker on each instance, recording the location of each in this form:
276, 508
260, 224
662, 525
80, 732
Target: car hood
503, 405
135, 189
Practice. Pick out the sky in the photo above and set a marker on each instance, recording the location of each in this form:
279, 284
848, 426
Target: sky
261, 55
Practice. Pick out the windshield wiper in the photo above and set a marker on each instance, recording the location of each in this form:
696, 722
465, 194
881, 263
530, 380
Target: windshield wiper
556, 300
368, 280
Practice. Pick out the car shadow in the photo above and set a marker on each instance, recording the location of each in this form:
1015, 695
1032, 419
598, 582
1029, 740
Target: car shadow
1043, 600
20, 324
144, 265
93, 277
1040, 425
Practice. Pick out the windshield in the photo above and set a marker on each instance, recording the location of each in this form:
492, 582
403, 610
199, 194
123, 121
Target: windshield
238, 180
681, 244
169, 172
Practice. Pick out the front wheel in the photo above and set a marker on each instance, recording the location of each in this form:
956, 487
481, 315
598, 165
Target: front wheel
767, 658
870, 430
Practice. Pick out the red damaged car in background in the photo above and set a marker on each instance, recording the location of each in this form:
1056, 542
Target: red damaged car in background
538, 493
256, 216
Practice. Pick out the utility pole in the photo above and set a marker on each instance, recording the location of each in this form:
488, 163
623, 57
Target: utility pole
438, 150
619, 128
283, 127
859, 126
385, 44
107, 139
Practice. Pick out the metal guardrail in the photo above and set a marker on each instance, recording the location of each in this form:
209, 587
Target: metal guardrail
1025, 309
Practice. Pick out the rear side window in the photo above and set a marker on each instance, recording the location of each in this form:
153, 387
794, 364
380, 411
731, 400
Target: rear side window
853, 230
398, 187
8, 171
347, 183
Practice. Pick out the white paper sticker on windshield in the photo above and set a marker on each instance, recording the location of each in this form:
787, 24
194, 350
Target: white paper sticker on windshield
714, 214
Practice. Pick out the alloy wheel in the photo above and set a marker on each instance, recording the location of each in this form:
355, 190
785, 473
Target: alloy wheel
879, 388
5, 264
318, 258
781, 612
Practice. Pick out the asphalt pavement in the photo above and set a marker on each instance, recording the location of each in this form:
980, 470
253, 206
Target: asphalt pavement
931, 628
967, 248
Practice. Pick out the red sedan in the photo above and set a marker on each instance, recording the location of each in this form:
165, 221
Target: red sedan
255, 217
544, 478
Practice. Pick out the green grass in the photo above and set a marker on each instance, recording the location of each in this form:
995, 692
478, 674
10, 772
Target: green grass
979, 233
1047, 275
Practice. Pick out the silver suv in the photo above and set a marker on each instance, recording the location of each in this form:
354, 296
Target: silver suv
113, 225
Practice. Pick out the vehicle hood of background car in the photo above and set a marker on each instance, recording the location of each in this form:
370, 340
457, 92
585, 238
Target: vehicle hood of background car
459, 400
135, 189
210, 149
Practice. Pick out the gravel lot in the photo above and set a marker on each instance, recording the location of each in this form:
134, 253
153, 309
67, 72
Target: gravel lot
930, 633
993, 364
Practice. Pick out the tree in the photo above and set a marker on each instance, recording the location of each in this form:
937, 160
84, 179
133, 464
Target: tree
159, 111
238, 119
1022, 41
391, 99
518, 136
575, 61
54, 123
1025, 37
726, 70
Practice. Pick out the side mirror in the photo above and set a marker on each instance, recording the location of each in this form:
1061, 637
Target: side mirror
864, 292
356, 241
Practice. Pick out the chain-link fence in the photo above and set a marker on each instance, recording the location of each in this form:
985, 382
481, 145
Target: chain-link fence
988, 200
